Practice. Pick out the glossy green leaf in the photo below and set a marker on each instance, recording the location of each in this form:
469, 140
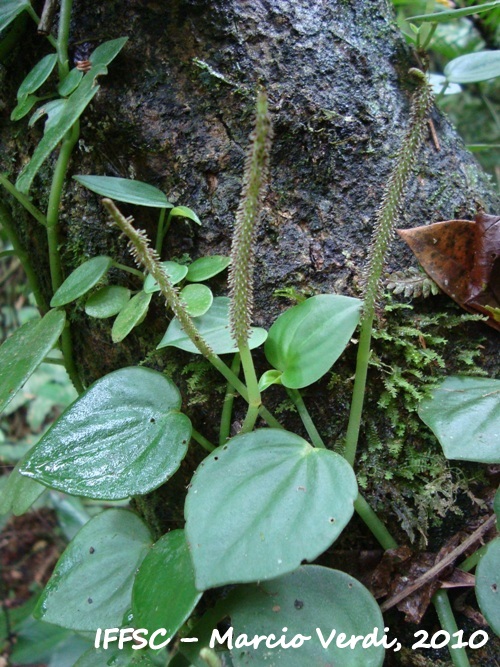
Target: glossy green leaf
107, 301
307, 339
81, 280
198, 299
315, 602
23, 352
53, 110
176, 273
207, 267
164, 593
19, 493
107, 52
488, 585
496, 505
38, 75
23, 107
464, 414
10, 9
439, 83
268, 378
453, 14
70, 82
110, 657
185, 212
41, 643
473, 67
215, 329
73, 108
261, 504
131, 315
125, 190
124, 436
92, 582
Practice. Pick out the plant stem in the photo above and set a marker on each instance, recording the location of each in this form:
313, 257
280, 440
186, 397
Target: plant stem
128, 269
471, 562
63, 38
23, 200
309, 425
11, 232
201, 440
160, 233
376, 526
227, 408
444, 611
36, 19
254, 400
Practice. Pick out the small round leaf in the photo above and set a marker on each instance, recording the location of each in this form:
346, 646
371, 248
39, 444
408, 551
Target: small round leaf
198, 299
107, 301
262, 503
207, 267
164, 593
131, 315
176, 273
214, 327
123, 436
306, 340
488, 585
92, 582
314, 602
81, 280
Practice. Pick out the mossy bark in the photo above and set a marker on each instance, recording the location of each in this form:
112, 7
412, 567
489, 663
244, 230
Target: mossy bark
176, 110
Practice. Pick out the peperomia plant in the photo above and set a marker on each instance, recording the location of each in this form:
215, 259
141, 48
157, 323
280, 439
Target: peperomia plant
261, 503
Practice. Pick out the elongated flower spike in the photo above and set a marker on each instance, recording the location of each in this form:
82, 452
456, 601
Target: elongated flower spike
247, 219
144, 255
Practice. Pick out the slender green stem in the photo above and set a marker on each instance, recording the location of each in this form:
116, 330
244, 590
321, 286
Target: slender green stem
23, 200
128, 269
63, 38
201, 440
309, 425
376, 526
160, 232
471, 562
10, 229
358, 392
167, 225
444, 611
227, 407
54, 362
254, 400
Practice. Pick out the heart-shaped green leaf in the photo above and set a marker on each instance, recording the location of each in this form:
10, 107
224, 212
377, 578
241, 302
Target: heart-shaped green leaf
23, 352
81, 280
131, 315
125, 190
92, 582
185, 212
473, 67
307, 339
198, 299
107, 301
123, 436
314, 602
20, 492
263, 503
176, 273
214, 327
38, 75
488, 584
164, 593
464, 414
207, 267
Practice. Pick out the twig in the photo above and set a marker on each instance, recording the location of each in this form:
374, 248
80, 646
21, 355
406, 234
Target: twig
438, 567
